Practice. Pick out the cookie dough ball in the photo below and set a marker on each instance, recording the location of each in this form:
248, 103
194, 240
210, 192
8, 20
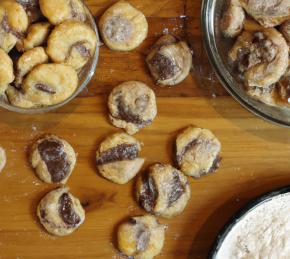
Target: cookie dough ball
37, 35
53, 159
163, 190
141, 237
197, 152
2, 158
60, 212
28, 60
58, 11
123, 27
118, 158
72, 43
13, 24
6, 71
169, 61
132, 106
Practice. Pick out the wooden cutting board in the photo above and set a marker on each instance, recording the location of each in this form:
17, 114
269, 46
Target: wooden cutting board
256, 154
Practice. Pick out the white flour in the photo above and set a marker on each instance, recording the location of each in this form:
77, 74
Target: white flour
263, 233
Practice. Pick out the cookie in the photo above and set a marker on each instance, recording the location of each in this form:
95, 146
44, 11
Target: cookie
6, 71
32, 9
2, 158
53, 159
118, 158
58, 11
141, 237
27, 61
132, 106
72, 43
13, 24
123, 27
37, 35
60, 212
197, 152
169, 61
17, 98
163, 190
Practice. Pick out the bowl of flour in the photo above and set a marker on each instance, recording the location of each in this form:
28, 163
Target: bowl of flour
260, 230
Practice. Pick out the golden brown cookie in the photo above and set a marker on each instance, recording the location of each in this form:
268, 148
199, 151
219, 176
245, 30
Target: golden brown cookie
6, 71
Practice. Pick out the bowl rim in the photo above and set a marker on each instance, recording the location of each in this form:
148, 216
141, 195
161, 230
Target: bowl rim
209, 43
241, 213
89, 76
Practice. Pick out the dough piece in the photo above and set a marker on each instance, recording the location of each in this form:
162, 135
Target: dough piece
13, 24
132, 106
36, 36
169, 61
123, 27
232, 21
6, 71
49, 84
269, 13
58, 11
60, 212
2, 158
260, 54
163, 190
28, 61
197, 152
72, 43
53, 159
118, 158
141, 237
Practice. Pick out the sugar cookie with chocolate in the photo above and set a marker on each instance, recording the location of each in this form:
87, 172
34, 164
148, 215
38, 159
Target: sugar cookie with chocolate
60, 212
123, 27
197, 152
58, 11
132, 106
2, 158
32, 9
72, 43
17, 98
6, 71
163, 190
118, 158
141, 237
53, 159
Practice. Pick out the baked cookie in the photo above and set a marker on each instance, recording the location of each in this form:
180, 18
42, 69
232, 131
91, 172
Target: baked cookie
17, 98
123, 27
6, 71
132, 106
60, 212
58, 11
32, 9
141, 237
13, 24
169, 61
28, 60
72, 43
197, 152
163, 190
118, 158
2, 158
53, 159
37, 35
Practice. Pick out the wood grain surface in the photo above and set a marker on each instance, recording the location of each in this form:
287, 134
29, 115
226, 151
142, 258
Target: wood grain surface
256, 154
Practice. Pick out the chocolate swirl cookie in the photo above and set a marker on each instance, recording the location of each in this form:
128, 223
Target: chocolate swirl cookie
53, 159
60, 212
6, 71
118, 158
141, 237
132, 106
163, 190
197, 152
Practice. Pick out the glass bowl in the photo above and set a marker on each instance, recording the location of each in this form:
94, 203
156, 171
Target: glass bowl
85, 75
216, 47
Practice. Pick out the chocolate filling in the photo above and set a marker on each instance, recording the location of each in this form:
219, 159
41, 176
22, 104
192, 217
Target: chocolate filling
45, 88
119, 153
6, 27
149, 193
176, 189
189, 146
81, 48
53, 154
66, 211
215, 164
27, 4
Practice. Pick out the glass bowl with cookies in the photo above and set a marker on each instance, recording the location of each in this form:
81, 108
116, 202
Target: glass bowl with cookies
49, 52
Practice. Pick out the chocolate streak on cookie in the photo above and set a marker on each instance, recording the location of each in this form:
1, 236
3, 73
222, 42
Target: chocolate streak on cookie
6, 27
66, 211
81, 48
176, 189
53, 154
149, 193
45, 88
189, 146
28, 3
215, 164
119, 153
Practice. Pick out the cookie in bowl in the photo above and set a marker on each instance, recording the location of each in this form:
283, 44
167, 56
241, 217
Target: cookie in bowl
6, 71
